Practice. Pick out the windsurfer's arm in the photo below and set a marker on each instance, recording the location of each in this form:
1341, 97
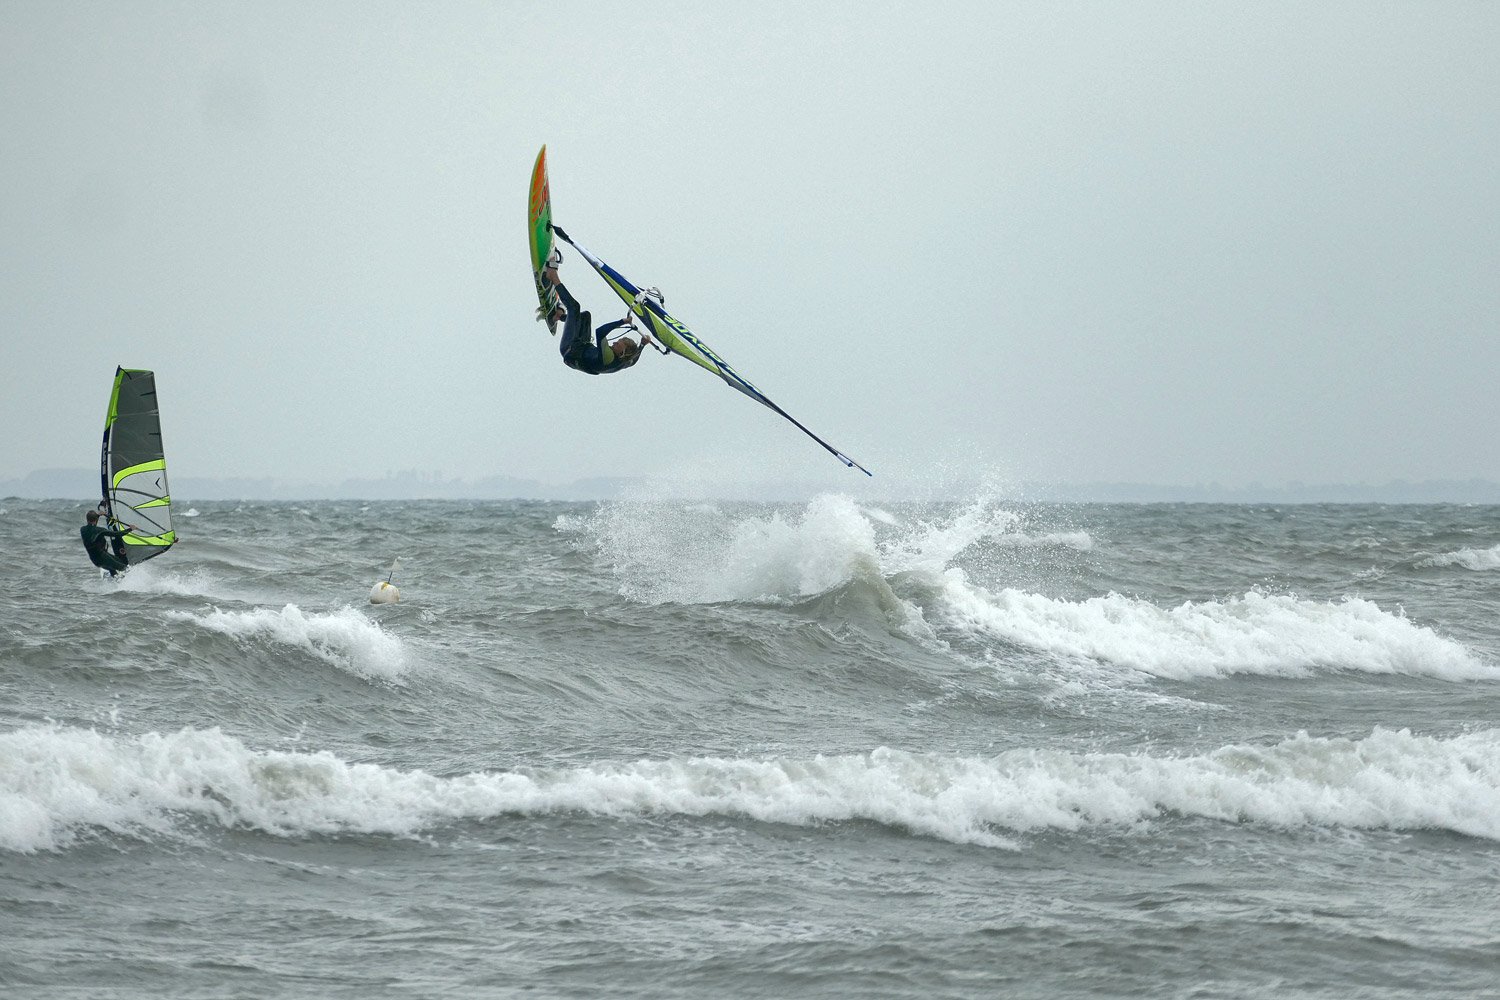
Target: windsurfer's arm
607, 329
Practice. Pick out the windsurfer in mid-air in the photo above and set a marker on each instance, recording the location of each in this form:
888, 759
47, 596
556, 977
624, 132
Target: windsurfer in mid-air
95, 539
594, 355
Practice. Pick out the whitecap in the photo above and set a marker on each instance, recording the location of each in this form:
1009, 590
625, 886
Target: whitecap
343, 638
60, 784
1253, 634
1479, 560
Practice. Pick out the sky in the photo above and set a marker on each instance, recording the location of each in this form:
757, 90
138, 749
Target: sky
1169, 243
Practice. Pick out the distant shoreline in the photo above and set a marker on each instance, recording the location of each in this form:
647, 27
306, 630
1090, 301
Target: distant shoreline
80, 485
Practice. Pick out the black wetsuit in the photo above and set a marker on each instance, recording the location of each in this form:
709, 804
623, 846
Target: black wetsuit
95, 540
578, 352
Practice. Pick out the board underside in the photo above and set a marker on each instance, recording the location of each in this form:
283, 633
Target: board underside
539, 229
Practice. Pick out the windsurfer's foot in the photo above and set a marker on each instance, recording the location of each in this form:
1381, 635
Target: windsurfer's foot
549, 274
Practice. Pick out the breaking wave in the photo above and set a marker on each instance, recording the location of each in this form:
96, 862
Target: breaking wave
343, 638
59, 786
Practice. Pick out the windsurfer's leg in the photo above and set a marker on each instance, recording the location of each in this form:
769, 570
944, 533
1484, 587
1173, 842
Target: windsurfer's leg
566, 297
575, 335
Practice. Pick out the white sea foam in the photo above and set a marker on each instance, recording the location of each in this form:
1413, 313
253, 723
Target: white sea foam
1253, 634
1080, 540
929, 546
344, 638
60, 784
698, 554
1475, 559
149, 578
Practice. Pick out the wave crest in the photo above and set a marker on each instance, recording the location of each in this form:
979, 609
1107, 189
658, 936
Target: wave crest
1254, 634
57, 785
343, 638
1479, 560
698, 554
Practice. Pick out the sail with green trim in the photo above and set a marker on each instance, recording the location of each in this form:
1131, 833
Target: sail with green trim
133, 468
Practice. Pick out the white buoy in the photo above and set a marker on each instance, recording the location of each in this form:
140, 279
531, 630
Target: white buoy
384, 593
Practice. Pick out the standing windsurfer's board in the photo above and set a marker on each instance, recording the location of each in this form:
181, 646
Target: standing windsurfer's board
539, 229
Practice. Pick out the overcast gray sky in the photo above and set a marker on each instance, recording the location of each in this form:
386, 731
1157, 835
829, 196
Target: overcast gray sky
1164, 242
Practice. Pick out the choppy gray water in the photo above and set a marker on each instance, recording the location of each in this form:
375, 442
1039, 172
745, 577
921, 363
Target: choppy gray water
715, 750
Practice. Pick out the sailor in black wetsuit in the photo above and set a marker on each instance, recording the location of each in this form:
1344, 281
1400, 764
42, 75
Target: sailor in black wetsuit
596, 355
96, 541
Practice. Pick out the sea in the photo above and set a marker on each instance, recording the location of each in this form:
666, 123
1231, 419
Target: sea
657, 748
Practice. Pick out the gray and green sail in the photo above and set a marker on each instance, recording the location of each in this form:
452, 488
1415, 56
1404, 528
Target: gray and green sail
133, 468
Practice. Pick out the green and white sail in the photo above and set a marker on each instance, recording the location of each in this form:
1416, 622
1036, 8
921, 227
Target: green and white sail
133, 468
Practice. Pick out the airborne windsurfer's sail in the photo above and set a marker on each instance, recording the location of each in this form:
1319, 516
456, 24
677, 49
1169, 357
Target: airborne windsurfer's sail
676, 338
133, 469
